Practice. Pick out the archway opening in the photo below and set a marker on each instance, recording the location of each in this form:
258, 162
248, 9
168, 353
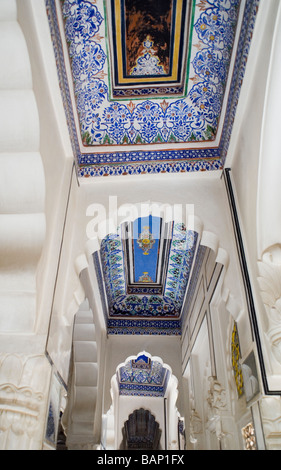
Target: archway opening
141, 431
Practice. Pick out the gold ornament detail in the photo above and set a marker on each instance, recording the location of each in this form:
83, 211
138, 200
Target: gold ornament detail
145, 241
236, 366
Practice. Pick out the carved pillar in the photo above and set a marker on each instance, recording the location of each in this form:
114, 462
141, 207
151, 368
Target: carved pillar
271, 416
24, 394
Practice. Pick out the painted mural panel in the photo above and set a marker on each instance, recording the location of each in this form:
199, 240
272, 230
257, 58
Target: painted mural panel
148, 36
146, 234
148, 42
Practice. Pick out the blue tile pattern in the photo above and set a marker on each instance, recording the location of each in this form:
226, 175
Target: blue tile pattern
150, 380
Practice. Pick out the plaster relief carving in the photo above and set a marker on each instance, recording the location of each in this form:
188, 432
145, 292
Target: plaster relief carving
20, 408
24, 391
196, 427
216, 396
217, 404
270, 287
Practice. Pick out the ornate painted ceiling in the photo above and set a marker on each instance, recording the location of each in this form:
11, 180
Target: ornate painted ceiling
144, 276
150, 86
143, 375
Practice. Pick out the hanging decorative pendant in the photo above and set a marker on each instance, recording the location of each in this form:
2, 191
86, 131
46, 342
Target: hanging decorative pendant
145, 241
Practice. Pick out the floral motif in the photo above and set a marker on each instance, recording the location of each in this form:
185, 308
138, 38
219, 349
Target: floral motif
82, 20
181, 257
148, 63
184, 119
116, 116
90, 98
206, 97
210, 67
214, 27
113, 265
88, 62
148, 117
144, 306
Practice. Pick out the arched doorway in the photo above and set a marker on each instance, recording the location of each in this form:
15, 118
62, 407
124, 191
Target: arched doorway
143, 412
141, 431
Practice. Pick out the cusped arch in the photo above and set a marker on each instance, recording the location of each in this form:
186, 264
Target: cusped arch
143, 375
141, 431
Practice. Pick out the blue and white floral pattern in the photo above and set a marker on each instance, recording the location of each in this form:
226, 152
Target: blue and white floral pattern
148, 117
148, 65
88, 62
116, 118
193, 118
82, 20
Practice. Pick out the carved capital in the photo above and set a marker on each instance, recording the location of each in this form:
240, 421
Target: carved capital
20, 408
24, 392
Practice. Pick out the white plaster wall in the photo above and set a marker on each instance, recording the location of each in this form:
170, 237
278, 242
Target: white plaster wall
36, 164
244, 150
244, 157
24, 370
55, 148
